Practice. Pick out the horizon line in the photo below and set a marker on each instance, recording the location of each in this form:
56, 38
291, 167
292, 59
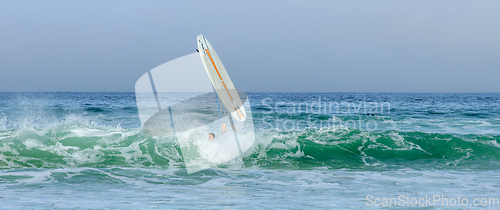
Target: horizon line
258, 92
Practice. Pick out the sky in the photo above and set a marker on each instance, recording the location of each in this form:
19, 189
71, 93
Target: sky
266, 46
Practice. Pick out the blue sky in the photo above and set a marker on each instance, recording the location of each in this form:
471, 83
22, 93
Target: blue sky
278, 46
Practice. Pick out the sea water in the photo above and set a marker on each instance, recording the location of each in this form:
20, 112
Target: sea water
312, 150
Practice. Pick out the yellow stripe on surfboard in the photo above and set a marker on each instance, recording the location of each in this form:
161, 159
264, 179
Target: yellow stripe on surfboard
210, 56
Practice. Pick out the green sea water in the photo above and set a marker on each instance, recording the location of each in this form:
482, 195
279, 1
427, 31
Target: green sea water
88, 151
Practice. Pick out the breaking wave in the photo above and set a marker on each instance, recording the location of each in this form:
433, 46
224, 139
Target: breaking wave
77, 143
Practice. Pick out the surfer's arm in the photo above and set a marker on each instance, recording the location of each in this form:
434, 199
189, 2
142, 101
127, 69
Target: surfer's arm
224, 127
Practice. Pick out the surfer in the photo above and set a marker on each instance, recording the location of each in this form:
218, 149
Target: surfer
212, 135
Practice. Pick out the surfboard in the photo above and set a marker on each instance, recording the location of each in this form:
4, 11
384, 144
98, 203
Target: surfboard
220, 79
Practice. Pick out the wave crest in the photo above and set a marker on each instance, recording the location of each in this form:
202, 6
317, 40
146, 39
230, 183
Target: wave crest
75, 143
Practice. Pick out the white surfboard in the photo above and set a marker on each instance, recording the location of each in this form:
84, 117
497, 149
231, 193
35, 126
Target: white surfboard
221, 81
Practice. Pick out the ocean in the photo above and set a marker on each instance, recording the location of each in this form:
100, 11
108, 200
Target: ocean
312, 151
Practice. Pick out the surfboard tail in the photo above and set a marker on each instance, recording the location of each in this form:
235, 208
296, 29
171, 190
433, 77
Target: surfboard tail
239, 114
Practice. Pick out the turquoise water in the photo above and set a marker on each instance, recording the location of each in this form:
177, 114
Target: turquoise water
87, 150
